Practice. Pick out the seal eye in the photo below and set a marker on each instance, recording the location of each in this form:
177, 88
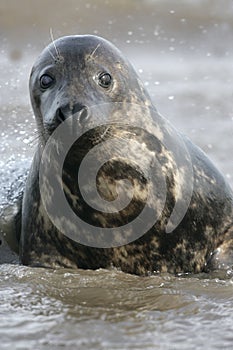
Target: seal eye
46, 81
105, 80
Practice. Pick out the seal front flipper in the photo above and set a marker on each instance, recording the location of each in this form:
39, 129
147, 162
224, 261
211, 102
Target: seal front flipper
13, 184
10, 226
222, 257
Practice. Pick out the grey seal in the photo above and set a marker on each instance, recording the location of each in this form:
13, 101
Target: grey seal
88, 78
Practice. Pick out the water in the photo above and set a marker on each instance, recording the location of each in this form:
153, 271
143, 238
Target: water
46, 309
182, 51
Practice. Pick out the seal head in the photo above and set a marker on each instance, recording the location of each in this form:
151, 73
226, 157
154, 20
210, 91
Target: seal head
77, 72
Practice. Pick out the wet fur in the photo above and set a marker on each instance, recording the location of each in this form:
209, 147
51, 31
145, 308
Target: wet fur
202, 241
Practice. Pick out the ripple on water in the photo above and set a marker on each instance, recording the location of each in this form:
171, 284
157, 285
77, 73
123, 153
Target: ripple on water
111, 310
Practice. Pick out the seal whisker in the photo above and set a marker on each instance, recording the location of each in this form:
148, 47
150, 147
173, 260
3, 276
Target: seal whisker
93, 52
42, 131
35, 139
53, 41
51, 54
105, 132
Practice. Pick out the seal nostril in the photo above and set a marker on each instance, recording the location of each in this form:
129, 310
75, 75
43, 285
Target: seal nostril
60, 115
65, 112
83, 115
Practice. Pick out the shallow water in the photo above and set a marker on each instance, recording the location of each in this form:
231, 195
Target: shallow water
46, 309
182, 51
